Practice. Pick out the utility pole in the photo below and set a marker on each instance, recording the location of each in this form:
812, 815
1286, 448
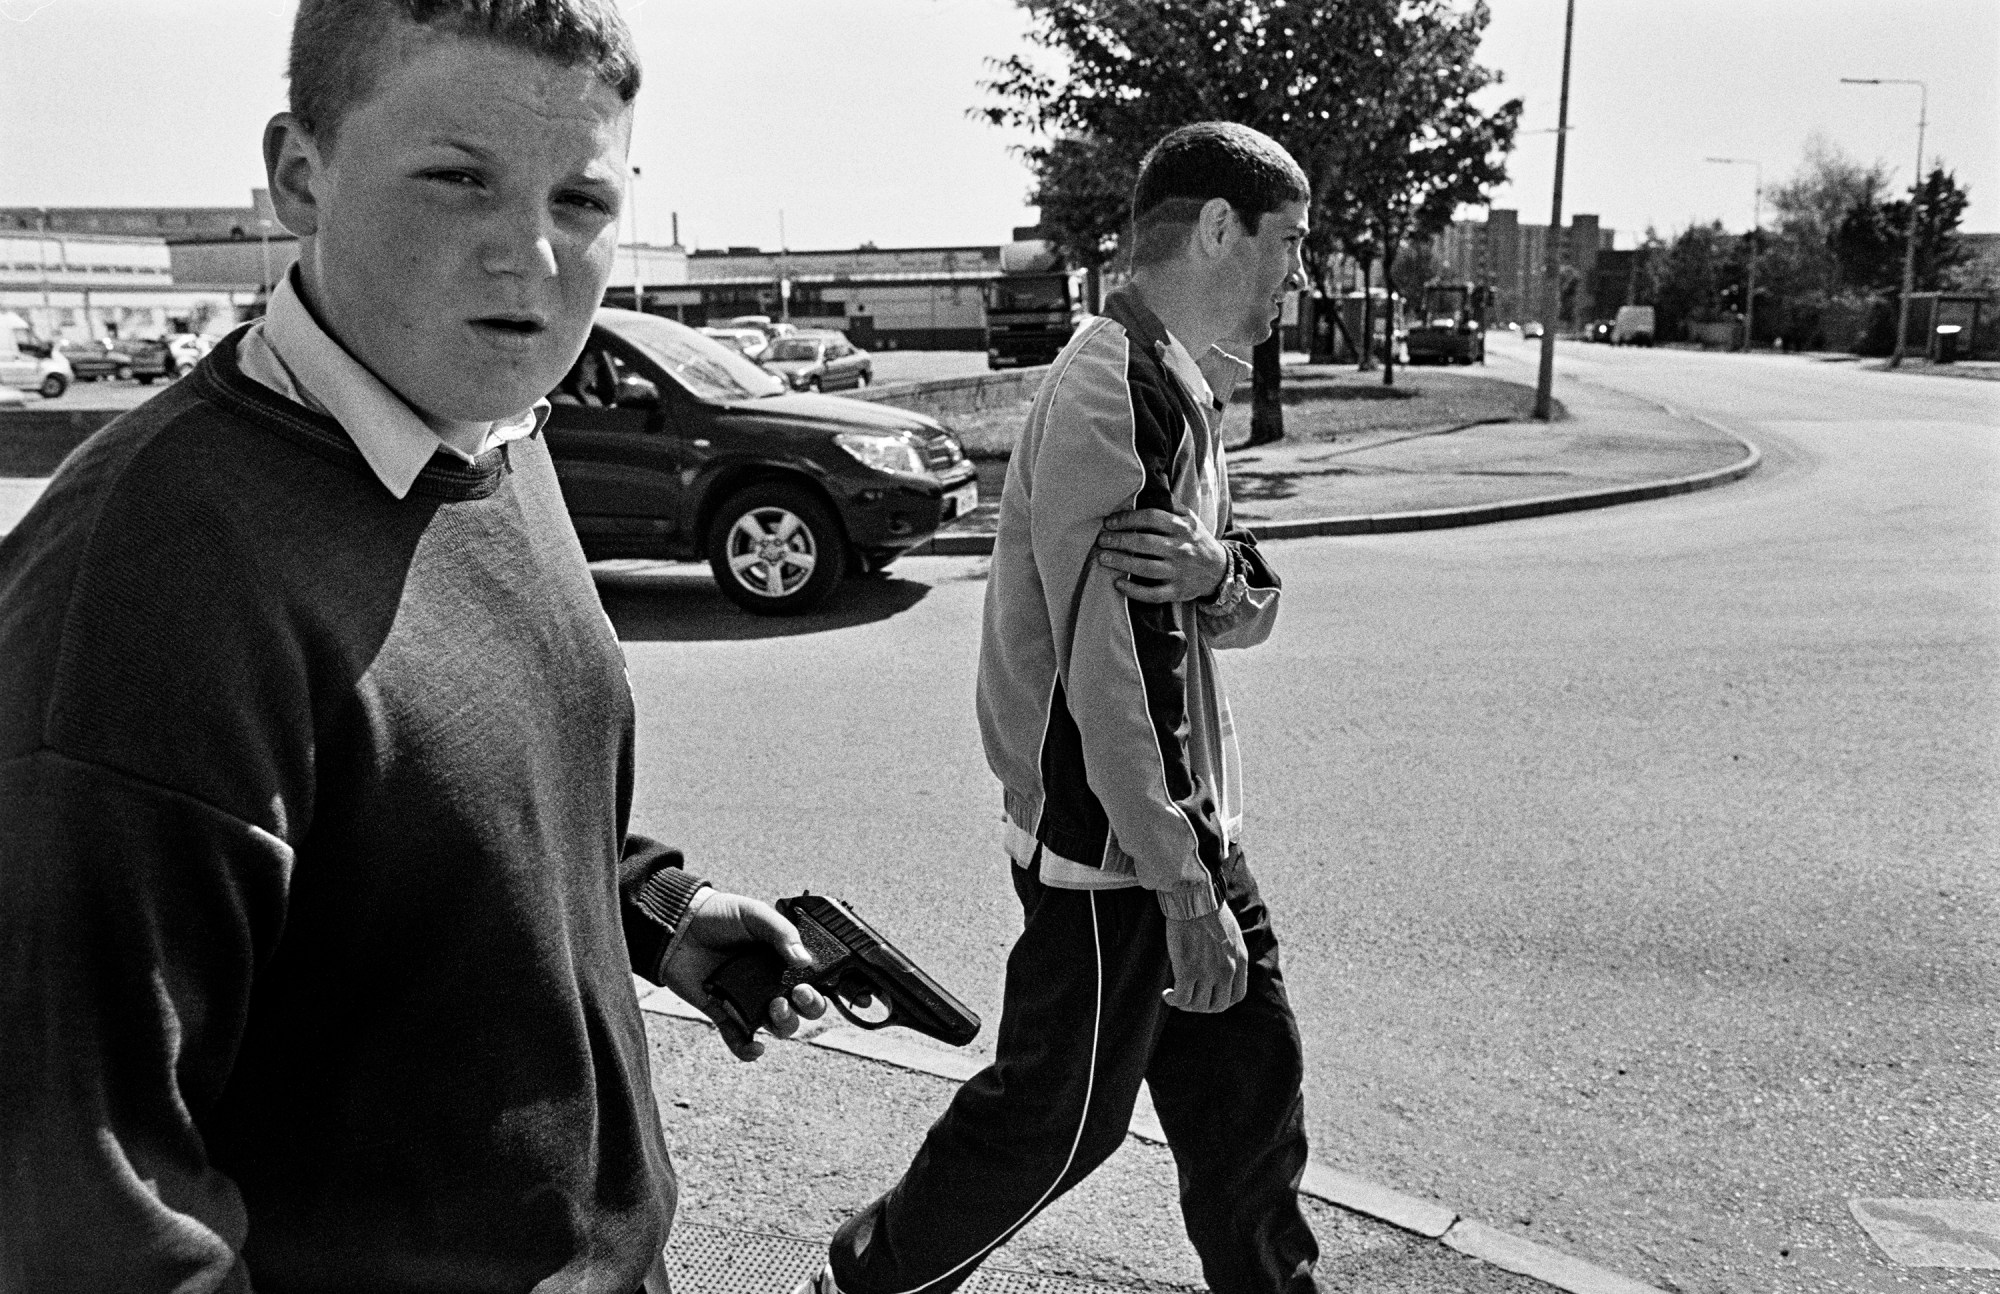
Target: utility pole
1552, 272
1756, 224
638, 275
1916, 193
784, 272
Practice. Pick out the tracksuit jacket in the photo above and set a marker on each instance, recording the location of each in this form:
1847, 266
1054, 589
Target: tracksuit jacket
1103, 717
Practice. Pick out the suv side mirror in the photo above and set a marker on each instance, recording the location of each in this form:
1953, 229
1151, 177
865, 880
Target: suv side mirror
637, 393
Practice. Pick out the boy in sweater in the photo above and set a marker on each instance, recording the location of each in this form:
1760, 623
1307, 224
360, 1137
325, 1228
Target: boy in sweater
318, 903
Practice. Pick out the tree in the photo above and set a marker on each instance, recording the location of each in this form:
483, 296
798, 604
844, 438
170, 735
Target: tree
1307, 74
1806, 295
1691, 277
1869, 242
1424, 149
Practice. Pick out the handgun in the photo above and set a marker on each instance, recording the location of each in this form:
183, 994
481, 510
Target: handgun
852, 965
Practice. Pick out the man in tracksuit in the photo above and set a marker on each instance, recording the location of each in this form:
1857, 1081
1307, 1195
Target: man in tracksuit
1147, 953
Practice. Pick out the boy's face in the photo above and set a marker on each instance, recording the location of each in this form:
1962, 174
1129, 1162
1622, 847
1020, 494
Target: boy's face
463, 222
1266, 265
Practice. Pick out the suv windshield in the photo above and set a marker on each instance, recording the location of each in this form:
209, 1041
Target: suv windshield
711, 370
793, 348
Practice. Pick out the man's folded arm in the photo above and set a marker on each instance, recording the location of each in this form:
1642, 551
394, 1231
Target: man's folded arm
1247, 620
132, 921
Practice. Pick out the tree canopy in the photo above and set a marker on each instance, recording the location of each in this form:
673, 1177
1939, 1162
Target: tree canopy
1372, 97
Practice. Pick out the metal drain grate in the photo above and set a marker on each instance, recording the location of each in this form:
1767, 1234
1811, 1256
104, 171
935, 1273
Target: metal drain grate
994, 1280
716, 1260
710, 1260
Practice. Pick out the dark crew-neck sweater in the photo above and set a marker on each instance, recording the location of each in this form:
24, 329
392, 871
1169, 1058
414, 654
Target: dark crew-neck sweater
317, 903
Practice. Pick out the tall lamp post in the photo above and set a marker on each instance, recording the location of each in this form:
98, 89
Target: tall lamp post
638, 274
1552, 272
1916, 192
1756, 224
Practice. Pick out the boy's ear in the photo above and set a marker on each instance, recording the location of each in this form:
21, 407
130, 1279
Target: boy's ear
291, 167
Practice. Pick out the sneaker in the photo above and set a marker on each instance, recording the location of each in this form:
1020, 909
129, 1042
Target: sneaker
820, 1282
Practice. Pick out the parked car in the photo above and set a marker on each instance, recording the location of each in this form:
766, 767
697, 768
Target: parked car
1599, 331
28, 364
671, 445
751, 341
762, 323
188, 348
819, 362
151, 359
90, 360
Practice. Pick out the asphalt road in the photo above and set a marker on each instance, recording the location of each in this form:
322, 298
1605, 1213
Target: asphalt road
1637, 866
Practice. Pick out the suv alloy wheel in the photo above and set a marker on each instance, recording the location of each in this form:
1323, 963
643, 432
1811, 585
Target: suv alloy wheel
776, 549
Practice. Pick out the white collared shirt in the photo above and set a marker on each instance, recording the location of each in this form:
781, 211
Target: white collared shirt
1182, 365
289, 352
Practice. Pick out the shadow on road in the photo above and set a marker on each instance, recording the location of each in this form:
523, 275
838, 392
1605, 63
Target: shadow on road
681, 604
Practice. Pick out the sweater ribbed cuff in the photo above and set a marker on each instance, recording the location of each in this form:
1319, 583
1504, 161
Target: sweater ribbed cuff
664, 899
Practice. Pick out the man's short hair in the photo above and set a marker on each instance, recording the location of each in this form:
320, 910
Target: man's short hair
1197, 164
338, 45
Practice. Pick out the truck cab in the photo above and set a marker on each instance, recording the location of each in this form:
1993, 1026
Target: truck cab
1451, 325
1033, 307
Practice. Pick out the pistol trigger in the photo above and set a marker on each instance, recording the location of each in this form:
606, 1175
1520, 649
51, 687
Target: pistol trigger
879, 1005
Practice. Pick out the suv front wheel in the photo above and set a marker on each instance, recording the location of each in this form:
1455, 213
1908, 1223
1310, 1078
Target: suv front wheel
776, 549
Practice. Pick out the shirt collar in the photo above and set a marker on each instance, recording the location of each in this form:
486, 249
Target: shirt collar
1182, 366
392, 438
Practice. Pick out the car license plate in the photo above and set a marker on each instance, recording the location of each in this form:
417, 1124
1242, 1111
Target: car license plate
961, 500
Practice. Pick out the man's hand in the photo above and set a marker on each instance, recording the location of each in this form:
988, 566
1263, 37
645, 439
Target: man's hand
1173, 548
1211, 966
718, 925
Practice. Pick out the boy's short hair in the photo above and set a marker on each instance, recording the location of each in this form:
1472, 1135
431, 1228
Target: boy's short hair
336, 45
1197, 164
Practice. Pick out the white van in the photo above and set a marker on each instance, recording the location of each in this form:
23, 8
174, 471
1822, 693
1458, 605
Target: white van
1633, 327
29, 363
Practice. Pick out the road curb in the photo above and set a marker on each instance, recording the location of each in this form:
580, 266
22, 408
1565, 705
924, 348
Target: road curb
1386, 523
1426, 1218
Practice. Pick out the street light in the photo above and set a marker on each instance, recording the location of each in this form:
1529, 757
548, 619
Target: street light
1756, 223
638, 277
1552, 272
1916, 192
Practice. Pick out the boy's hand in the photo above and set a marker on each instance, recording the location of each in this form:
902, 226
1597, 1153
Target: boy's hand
1211, 965
718, 925
1172, 548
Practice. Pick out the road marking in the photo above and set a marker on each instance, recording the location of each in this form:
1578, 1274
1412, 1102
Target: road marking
1933, 1233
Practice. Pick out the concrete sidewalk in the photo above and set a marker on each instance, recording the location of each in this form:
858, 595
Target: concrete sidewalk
1610, 448
773, 1156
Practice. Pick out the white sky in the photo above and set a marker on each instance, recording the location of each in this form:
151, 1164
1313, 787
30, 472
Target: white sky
849, 115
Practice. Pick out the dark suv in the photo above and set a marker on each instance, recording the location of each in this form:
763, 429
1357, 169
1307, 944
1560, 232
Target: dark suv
671, 445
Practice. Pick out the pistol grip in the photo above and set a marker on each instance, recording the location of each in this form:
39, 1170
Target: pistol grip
745, 984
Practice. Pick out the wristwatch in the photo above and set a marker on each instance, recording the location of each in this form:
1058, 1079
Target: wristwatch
1232, 589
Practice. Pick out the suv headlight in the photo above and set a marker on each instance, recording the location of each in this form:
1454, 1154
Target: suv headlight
883, 453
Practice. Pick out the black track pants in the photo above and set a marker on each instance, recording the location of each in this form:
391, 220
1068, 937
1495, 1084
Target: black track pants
1082, 1024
